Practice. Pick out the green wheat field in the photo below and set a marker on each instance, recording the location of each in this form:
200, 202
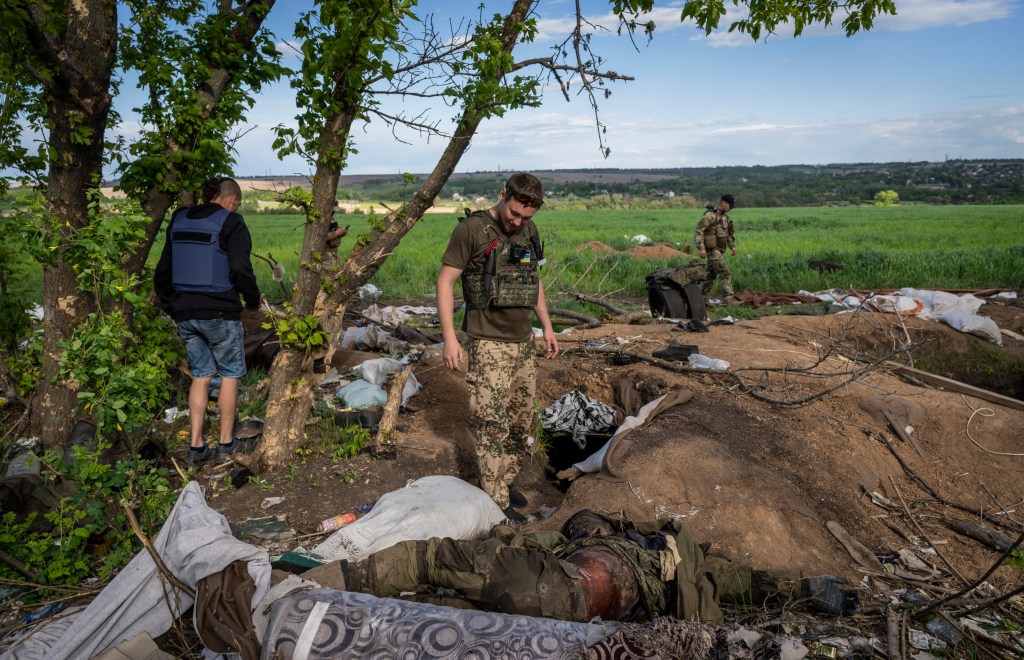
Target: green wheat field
954, 247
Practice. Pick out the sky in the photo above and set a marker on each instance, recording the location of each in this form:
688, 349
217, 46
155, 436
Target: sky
941, 79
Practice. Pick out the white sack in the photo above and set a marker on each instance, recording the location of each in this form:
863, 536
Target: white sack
894, 304
939, 303
360, 395
981, 326
438, 505
376, 371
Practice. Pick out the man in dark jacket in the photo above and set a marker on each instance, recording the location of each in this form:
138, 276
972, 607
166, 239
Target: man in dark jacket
204, 268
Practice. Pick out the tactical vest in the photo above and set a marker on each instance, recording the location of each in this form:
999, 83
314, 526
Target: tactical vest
509, 276
199, 263
716, 237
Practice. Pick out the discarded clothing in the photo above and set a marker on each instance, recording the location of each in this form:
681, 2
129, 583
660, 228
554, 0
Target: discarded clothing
578, 414
391, 316
223, 612
609, 467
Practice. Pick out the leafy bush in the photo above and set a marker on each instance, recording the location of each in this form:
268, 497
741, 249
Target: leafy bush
118, 360
90, 516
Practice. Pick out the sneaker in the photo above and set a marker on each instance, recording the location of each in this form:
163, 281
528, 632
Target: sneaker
195, 457
515, 498
224, 451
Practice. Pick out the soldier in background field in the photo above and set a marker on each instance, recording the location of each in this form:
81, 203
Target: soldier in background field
713, 235
496, 253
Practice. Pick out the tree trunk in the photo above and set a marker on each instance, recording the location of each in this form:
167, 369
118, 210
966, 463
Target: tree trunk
285, 422
81, 58
291, 395
292, 382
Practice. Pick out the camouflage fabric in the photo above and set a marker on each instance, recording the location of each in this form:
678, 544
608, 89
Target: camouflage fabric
490, 575
717, 268
683, 275
703, 581
714, 234
514, 280
502, 382
521, 574
716, 225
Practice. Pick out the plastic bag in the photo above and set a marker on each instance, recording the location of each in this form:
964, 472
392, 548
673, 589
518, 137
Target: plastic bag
698, 361
360, 395
376, 371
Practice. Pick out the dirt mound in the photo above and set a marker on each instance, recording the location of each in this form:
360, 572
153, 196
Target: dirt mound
757, 480
659, 251
595, 246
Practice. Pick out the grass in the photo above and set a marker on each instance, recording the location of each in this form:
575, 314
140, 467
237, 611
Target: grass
878, 247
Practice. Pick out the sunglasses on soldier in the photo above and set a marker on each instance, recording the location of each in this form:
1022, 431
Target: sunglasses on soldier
523, 198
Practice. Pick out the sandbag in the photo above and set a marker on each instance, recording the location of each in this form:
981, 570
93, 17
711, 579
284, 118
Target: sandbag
980, 326
376, 371
360, 395
438, 505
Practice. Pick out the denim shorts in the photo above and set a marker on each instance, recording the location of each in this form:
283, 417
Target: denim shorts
214, 346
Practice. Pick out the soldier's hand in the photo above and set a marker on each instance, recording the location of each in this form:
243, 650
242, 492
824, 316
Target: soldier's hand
734, 252
550, 344
454, 356
703, 252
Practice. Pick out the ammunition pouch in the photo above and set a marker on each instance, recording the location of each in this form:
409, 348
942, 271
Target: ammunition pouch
710, 242
516, 285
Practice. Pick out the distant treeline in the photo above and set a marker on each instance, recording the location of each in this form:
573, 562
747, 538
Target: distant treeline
948, 182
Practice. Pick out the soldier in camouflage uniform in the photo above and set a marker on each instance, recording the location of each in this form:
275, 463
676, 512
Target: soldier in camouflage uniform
713, 235
595, 567
496, 253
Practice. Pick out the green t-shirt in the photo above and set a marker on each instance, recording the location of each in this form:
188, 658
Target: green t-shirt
466, 251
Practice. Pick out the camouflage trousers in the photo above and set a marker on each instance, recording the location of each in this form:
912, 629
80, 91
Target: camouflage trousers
502, 382
717, 268
488, 575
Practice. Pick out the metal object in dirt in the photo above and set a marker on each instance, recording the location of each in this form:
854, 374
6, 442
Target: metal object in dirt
337, 522
248, 428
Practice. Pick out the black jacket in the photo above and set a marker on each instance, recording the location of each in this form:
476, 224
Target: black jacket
184, 305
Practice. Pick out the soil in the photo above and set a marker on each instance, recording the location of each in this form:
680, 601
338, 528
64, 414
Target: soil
656, 251
756, 480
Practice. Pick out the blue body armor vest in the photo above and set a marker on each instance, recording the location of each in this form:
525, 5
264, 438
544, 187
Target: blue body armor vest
199, 262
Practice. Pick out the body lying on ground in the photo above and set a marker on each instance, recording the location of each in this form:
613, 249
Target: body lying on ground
595, 567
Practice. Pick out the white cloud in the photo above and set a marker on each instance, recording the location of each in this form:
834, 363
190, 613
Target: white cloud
556, 29
911, 15
920, 14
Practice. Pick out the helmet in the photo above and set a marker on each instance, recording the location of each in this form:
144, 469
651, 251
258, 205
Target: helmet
612, 589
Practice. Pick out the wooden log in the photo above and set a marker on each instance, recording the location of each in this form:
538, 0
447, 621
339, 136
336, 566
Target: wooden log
593, 300
982, 534
951, 385
382, 442
576, 316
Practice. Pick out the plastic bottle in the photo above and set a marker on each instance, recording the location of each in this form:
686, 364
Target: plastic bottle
336, 522
698, 361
